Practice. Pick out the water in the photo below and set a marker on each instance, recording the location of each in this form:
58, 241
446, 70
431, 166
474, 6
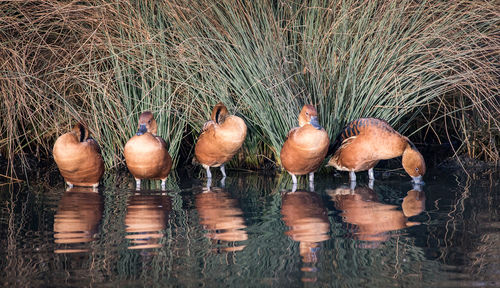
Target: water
252, 233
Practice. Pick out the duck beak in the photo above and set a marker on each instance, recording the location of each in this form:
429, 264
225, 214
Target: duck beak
314, 122
417, 180
142, 130
418, 186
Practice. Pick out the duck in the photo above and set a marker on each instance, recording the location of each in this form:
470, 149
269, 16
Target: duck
362, 143
146, 154
221, 137
78, 157
306, 146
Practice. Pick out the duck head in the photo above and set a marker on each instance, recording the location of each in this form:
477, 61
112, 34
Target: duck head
219, 113
309, 115
413, 163
81, 132
147, 123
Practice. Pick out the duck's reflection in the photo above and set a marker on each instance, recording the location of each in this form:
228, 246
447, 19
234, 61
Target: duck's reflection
307, 218
77, 219
222, 218
414, 202
146, 218
372, 220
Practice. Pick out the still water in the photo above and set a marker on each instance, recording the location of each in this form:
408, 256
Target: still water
253, 232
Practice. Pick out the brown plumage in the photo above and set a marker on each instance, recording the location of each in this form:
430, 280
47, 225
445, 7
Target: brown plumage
364, 142
146, 154
78, 157
221, 138
306, 146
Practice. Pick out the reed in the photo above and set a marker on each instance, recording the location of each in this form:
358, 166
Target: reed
429, 68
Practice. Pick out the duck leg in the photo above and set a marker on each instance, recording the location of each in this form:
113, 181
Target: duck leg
209, 174
223, 170
353, 186
207, 186
137, 184
370, 183
69, 185
352, 176
311, 181
294, 178
163, 182
370, 174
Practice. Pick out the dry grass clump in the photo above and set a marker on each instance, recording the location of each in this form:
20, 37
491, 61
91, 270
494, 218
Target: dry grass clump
425, 66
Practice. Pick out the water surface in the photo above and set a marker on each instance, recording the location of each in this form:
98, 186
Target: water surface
253, 231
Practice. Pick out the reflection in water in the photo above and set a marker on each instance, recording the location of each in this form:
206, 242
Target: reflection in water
414, 203
147, 215
77, 219
221, 217
305, 215
374, 220
456, 245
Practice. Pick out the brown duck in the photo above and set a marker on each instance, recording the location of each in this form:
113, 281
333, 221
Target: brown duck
364, 142
78, 157
306, 146
221, 138
146, 153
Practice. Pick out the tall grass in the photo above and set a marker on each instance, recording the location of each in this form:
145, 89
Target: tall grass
425, 66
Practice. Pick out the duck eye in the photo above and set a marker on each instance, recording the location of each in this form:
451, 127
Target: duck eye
416, 169
149, 121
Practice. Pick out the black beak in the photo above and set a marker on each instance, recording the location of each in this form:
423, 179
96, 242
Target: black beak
142, 130
314, 122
